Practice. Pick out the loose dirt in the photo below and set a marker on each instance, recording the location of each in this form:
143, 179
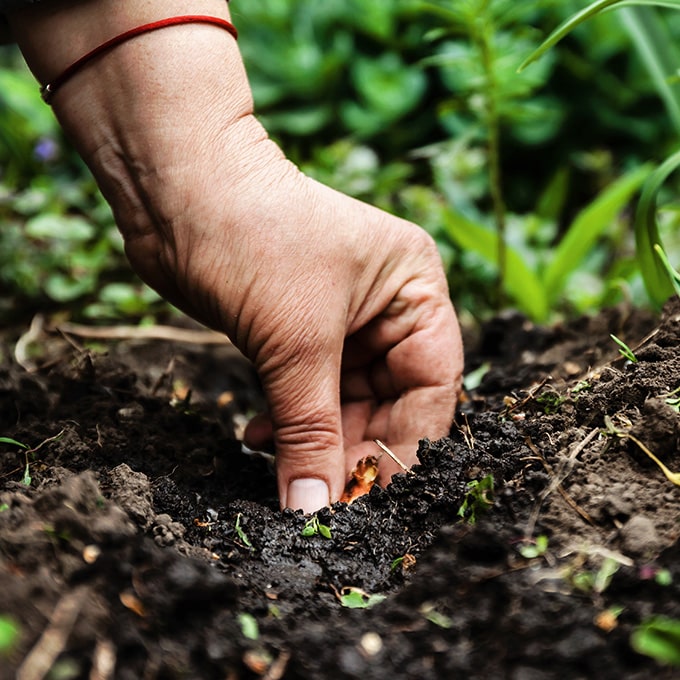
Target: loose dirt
137, 540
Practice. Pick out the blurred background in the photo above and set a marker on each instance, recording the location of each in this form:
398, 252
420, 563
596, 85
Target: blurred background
527, 181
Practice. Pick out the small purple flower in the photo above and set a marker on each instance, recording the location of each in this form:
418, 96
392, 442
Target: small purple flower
46, 150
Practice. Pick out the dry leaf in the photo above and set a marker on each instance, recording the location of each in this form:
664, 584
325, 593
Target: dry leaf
362, 479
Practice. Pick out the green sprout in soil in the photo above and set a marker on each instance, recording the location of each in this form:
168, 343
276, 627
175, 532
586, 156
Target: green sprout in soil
550, 401
4, 507
536, 549
9, 634
478, 499
624, 350
356, 598
659, 638
29, 453
313, 528
242, 534
249, 626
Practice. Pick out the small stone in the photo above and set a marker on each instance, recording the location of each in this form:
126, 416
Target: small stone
371, 643
639, 536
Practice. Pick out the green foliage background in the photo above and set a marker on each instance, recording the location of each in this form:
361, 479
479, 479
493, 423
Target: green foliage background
415, 106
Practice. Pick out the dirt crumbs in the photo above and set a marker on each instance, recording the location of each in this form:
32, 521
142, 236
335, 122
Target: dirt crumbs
540, 540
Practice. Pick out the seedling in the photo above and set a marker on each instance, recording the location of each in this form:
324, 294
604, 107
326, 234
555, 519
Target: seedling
4, 507
29, 453
478, 499
313, 527
624, 350
535, 549
242, 534
356, 598
658, 637
550, 401
406, 562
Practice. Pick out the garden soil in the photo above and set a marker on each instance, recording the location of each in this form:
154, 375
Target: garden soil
138, 540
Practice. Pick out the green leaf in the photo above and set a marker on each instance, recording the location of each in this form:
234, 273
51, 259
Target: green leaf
324, 531
567, 27
588, 226
654, 273
656, 48
249, 626
355, 598
9, 634
659, 638
14, 442
520, 282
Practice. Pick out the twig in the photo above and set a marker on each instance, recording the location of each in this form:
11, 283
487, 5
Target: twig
103, 661
170, 333
393, 456
556, 483
52, 642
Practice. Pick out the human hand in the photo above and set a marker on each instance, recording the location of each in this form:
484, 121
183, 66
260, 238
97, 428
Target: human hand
343, 309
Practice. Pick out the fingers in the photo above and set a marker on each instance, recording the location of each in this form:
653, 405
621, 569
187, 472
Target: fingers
302, 388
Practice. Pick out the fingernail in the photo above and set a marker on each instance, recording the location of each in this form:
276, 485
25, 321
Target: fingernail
308, 495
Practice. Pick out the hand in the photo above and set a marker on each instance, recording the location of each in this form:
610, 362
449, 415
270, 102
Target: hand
343, 309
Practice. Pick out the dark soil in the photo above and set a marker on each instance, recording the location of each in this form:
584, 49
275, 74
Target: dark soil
146, 544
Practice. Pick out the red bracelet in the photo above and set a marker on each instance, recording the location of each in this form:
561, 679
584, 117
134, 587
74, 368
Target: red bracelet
47, 91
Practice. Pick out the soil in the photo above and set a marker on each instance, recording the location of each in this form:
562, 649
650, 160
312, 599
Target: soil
138, 540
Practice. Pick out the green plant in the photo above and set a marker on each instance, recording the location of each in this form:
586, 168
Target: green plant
659, 638
242, 534
29, 453
356, 598
624, 350
9, 634
313, 527
249, 626
536, 549
662, 60
478, 498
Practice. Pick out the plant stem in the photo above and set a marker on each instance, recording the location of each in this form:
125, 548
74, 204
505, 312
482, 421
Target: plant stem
483, 36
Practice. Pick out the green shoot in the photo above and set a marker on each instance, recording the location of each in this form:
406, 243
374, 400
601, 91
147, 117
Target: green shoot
624, 350
356, 598
659, 638
479, 498
29, 453
314, 527
4, 507
9, 633
249, 626
536, 549
242, 534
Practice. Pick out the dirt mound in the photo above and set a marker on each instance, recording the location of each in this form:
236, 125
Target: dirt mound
137, 540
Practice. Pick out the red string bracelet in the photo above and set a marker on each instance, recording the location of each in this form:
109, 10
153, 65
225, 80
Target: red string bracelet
47, 91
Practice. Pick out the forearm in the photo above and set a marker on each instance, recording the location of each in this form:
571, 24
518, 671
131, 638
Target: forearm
161, 95
163, 120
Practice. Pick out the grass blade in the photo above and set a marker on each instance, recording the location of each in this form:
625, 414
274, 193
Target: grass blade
657, 51
654, 274
565, 28
520, 282
588, 226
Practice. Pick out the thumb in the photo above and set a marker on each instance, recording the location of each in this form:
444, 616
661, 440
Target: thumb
304, 402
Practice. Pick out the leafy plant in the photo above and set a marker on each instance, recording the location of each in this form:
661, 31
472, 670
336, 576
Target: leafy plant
479, 498
662, 60
659, 638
